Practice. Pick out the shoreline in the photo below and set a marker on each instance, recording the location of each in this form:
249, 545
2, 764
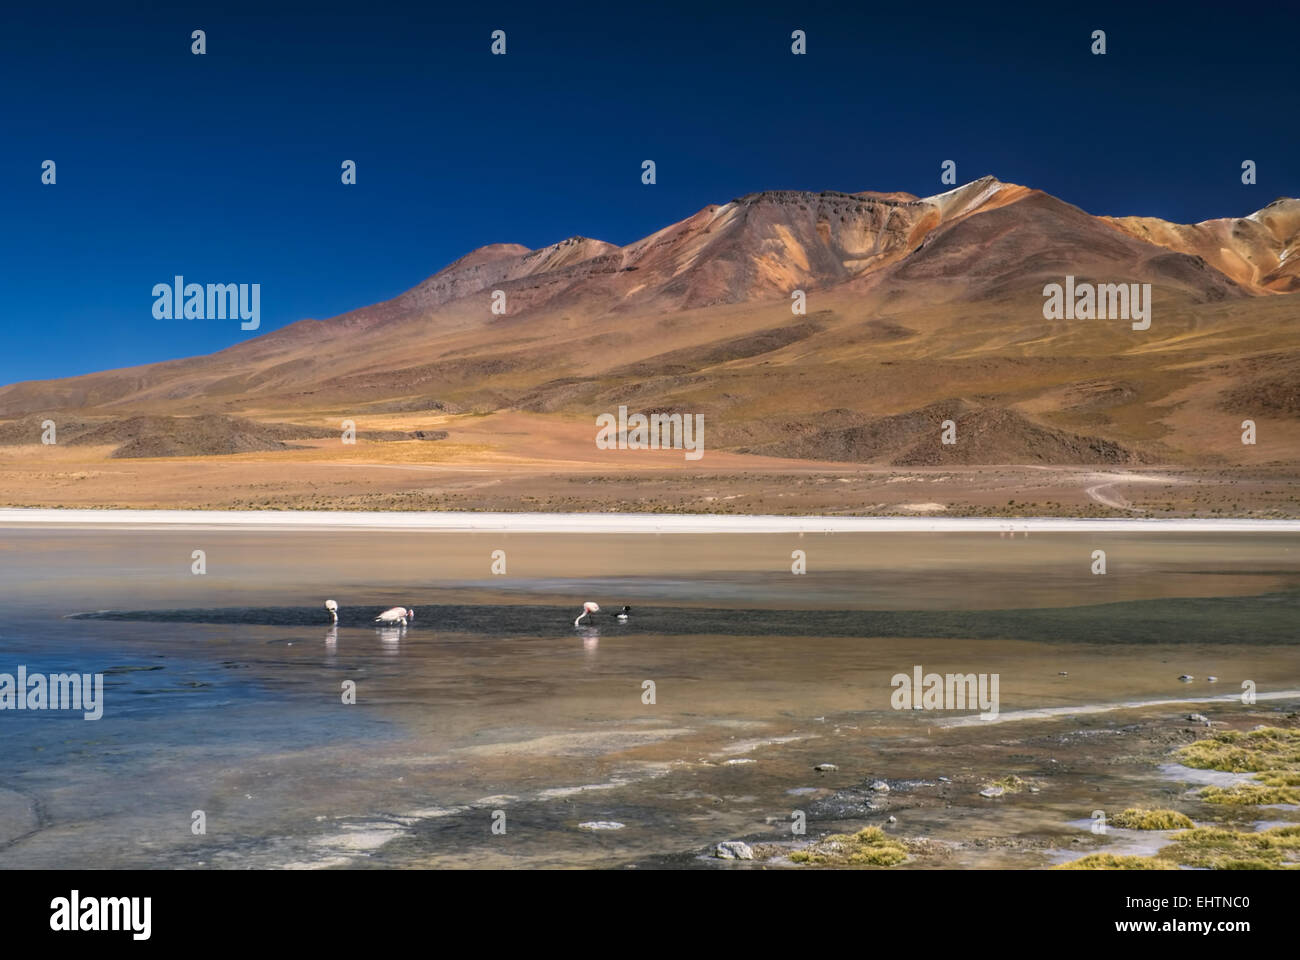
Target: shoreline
1052, 713
624, 523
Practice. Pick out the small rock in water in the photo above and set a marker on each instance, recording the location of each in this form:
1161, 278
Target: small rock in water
825, 767
1033, 789
944, 780
992, 791
1186, 678
733, 850
601, 825
1211, 679
1198, 718
880, 786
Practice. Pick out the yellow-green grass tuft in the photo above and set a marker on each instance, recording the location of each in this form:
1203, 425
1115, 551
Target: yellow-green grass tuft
1009, 784
868, 846
1136, 818
1271, 753
1250, 794
1220, 849
1279, 778
1252, 751
1110, 861
1211, 848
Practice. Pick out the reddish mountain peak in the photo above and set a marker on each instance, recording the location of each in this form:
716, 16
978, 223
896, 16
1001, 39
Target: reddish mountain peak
486, 254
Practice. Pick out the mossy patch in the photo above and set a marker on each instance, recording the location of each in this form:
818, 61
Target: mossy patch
1221, 849
1279, 778
1110, 861
1251, 751
869, 847
1271, 753
1211, 848
1135, 818
1250, 794
1009, 784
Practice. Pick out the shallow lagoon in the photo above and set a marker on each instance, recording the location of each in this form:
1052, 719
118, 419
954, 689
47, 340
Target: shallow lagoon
223, 691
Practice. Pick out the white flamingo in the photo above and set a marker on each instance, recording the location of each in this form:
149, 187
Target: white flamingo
333, 607
396, 615
588, 609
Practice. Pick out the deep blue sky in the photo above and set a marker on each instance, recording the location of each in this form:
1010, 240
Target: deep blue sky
225, 167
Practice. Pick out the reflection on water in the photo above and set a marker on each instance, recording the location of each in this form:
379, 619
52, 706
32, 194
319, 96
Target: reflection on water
225, 693
390, 637
590, 639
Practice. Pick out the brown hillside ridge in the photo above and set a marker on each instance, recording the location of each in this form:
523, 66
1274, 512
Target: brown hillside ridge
919, 311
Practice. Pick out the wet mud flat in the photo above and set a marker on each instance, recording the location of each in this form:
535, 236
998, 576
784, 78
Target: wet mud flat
1029, 799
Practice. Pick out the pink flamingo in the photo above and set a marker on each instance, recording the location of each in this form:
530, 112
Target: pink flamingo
396, 615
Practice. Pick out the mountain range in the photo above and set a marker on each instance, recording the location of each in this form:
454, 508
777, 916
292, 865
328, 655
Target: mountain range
918, 310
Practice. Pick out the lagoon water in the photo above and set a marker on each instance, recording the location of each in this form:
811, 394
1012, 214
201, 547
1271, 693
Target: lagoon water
224, 691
